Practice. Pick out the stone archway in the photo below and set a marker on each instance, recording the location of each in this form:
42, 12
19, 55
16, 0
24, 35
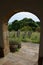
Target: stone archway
10, 7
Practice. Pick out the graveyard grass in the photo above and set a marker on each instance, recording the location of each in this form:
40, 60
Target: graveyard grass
34, 38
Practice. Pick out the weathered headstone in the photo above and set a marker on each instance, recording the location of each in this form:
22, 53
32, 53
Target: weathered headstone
18, 33
29, 34
24, 34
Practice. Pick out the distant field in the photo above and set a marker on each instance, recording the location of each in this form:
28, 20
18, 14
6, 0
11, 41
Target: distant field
25, 36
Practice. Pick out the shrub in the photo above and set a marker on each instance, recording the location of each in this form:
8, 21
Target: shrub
25, 36
35, 37
14, 45
26, 28
26, 40
38, 29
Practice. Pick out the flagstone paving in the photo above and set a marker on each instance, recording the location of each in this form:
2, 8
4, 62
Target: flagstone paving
27, 55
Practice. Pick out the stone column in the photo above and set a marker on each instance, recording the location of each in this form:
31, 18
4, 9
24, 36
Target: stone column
5, 38
40, 61
1, 41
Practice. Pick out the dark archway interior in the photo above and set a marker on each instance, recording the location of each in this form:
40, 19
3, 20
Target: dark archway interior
1, 53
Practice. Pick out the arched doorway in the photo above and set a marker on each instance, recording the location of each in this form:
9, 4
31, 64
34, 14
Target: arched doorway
16, 18
6, 19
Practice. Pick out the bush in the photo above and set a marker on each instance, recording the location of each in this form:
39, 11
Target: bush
28, 36
26, 40
35, 37
14, 45
26, 28
38, 29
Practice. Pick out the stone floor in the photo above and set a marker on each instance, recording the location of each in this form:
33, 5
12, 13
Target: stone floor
27, 55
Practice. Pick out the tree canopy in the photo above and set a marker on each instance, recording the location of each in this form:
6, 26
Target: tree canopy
24, 23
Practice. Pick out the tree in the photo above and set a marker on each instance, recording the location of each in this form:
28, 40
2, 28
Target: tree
16, 25
10, 27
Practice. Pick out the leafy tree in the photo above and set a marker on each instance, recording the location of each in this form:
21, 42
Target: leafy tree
10, 27
38, 23
16, 25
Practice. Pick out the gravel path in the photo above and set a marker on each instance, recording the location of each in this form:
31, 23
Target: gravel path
27, 55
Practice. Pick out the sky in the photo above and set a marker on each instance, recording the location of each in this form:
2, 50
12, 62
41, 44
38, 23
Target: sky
21, 15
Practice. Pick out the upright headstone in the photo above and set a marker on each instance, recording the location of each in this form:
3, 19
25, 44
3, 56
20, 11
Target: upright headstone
29, 34
24, 34
18, 33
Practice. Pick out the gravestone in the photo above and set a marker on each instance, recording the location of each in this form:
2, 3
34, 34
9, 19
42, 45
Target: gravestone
24, 34
29, 34
18, 33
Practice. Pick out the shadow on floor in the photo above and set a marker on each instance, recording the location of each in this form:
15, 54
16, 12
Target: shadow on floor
1, 53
